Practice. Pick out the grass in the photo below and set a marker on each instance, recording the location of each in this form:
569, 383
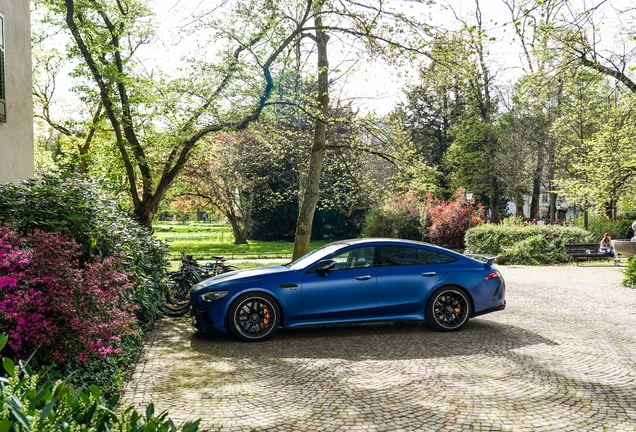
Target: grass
206, 239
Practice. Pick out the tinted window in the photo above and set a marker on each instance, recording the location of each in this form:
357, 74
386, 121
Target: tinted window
398, 255
354, 258
431, 257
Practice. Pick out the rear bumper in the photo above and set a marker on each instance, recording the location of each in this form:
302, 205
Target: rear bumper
500, 307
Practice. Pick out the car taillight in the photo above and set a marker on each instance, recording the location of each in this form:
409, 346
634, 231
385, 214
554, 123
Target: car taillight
493, 275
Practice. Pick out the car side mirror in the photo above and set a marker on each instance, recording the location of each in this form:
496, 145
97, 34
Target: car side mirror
325, 265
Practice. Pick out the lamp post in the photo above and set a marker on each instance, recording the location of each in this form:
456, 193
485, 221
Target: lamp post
469, 197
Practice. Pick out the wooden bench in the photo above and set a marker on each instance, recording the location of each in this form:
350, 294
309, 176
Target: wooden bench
586, 252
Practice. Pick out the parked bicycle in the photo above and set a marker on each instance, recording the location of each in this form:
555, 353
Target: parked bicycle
177, 291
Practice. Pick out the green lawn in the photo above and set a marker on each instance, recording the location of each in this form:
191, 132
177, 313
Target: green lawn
206, 239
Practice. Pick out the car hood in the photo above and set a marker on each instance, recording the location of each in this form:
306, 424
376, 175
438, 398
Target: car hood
249, 275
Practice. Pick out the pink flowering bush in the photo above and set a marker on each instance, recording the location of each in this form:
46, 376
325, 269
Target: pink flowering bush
56, 306
447, 222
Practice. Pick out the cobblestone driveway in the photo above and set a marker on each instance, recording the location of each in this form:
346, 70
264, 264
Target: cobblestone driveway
562, 356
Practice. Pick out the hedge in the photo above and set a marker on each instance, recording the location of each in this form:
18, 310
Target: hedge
527, 244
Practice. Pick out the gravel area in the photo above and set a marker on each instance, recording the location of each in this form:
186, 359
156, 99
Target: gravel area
562, 356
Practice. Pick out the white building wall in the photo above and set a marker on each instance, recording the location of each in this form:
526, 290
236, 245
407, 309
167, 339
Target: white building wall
16, 135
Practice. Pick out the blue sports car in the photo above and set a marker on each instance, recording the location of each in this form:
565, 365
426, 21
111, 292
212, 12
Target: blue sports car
351, 281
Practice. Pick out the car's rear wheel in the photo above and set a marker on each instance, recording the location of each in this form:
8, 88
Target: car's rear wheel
254, 317
448, 309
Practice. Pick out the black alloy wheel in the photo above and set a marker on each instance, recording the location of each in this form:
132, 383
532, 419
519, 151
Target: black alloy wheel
448, 309
254, 317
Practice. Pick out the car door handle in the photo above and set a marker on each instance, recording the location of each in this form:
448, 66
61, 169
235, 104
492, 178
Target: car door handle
289, 287
365, 277
428, 274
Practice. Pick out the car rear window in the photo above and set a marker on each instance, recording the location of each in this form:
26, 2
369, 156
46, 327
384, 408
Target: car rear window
400, 255
432, 257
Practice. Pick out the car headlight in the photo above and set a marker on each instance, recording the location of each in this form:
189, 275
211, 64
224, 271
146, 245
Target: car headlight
213, 296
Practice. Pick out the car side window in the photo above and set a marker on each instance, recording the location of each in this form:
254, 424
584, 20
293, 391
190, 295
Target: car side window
399, 255
431, 257
354, 258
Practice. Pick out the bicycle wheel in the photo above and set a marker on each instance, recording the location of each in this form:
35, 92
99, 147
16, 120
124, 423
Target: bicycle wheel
177, 291
172, 312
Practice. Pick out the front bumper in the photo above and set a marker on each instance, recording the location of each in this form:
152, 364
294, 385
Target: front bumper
202, 321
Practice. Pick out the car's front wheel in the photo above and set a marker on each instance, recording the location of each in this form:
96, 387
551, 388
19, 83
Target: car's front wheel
448, 309
254, 317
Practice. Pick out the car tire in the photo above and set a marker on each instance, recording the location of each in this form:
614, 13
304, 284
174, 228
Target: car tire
254, 317
448, 309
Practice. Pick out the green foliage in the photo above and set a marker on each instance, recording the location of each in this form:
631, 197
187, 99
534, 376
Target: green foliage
528, 244
392, 223
630, 274
29, 403
86, 213
618, 229
108, 373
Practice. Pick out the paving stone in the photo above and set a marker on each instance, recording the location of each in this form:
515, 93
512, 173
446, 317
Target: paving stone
562, 356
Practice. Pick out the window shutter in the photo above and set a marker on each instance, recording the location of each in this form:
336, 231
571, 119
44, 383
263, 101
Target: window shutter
3, 94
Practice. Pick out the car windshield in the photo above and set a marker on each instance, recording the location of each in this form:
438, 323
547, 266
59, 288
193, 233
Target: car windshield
314, 255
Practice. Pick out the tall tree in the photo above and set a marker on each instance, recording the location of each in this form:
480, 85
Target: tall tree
157, 122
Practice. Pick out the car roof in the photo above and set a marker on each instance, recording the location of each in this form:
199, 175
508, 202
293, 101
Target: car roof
382, 240
397, 242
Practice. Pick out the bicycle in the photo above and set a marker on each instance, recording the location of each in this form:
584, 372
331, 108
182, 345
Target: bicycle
177, 292
218, 266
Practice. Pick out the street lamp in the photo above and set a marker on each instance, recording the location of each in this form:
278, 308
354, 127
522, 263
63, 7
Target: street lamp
469, 197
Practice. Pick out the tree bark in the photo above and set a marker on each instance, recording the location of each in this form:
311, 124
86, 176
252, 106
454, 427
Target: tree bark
519, 201
312, 190
536, 184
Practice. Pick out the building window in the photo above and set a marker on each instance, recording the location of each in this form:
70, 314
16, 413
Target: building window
3, 94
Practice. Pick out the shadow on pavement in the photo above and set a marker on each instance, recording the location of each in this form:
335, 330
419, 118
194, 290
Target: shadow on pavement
380, 341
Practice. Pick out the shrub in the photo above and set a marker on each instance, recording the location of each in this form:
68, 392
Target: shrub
630, 274
92, 218
406, 216
528, 244
28, 403
52, 302
392, 223
447, 222
108, 373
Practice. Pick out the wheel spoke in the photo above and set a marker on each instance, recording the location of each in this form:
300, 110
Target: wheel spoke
255, 318
450, 309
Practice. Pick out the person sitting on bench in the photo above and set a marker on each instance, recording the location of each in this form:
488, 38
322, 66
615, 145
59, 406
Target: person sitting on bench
607, 248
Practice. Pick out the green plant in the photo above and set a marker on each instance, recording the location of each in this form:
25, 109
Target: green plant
108, 373
630, 274
527, 244
392, 223
618, 229
91, 217
28, 403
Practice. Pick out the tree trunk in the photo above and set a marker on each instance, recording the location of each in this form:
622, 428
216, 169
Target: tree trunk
536, 185
519, 202
553, 212
145, 212
240, 234
494, 205
312, 190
